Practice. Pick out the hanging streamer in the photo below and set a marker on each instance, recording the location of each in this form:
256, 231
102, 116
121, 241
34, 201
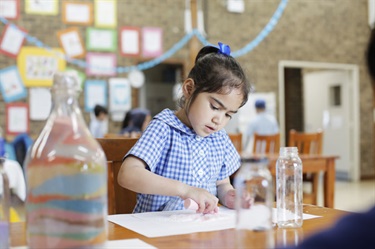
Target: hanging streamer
176, 47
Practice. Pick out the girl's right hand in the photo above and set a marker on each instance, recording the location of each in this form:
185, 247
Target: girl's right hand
207, 202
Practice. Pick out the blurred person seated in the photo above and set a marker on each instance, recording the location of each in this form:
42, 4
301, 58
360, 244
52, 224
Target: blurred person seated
135, 122
262, 124
99, 121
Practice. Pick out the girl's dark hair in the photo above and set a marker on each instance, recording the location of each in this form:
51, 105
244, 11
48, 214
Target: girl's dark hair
215, 72
370, 56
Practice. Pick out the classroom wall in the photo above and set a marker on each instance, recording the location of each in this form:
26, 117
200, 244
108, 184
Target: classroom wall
334, 31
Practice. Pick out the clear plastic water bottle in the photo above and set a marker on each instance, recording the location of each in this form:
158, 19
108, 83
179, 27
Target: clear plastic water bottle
66, 175
4, 207
289, 192
254, 195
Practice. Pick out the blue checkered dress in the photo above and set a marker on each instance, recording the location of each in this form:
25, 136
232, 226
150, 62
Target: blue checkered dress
173, 150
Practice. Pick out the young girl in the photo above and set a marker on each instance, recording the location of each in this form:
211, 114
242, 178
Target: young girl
187, 153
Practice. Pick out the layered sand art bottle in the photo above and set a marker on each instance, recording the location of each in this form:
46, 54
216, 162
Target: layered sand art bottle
66, 175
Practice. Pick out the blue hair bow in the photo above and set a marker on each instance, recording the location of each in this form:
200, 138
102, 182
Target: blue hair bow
224, 48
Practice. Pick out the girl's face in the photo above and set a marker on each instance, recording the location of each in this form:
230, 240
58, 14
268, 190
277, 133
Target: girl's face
211, 112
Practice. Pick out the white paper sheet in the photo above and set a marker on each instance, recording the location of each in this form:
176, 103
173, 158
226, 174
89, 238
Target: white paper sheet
8, 9
12, 40
76, 12
72, 44
116, 244
120, 95
101, 38
158, 224
130, 42
40, 103
18, 119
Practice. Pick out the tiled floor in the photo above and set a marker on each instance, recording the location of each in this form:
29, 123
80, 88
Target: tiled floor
352, 196
349, 196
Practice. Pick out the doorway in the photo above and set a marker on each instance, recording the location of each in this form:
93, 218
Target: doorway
158, 90
323, 95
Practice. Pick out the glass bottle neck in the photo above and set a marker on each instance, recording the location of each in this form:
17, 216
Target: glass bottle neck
65, 102
288, 151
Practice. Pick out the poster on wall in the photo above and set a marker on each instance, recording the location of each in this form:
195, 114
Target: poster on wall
130, 41
41, 7
12, 40
40, 103
17, 118
11, 84
37, 65
70, 40
95, 94
152, 45
120, 97
77, 13
101, 64
10, 9
101, 39
105, 13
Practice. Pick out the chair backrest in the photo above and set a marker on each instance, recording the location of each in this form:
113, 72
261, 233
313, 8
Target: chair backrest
236, 139
264, 144
307, 143
113, 135
120, 200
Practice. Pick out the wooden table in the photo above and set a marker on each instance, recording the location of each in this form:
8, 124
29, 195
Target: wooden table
313, 164
229, 238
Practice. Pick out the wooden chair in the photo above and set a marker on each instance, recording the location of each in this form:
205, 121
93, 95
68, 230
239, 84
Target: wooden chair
310, 144
265, 144
307, 143
120, 200
113, 135
236, 139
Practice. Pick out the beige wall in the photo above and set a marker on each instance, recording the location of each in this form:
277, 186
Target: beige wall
334, 31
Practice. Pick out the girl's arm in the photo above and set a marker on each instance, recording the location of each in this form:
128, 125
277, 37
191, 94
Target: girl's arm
133, 175
226, 193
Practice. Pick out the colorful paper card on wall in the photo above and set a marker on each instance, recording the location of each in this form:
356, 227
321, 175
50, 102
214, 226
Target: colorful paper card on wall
41, 7
77, 13
12, 40
40, 103
37, 65
101, 64
95, 94
120, 94
71, 41
17, 118
152, 45
101, 40
81, 76
11, 84
130, 41
10, 9
106, 13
